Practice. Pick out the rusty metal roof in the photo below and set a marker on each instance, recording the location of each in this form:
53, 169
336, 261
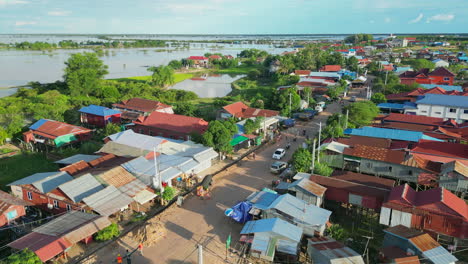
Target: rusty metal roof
45, 246
424, 242
7, 200
310, 186
117, 177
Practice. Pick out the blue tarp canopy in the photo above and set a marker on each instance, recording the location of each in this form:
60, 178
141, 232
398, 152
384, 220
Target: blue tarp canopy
391, 106
240, 212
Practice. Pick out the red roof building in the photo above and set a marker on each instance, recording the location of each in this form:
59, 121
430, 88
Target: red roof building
11, 208
441, 152
413, 95
169, 125
215, 57
354, 188
440, 76
302, 72
241, 110
434, 211
44, 246
55, 133
330, 68
133, 108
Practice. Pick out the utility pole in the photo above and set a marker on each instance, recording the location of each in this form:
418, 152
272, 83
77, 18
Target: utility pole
386, 76
346, 120
319, 140
366, 250
290, 110
200, 254
313, 156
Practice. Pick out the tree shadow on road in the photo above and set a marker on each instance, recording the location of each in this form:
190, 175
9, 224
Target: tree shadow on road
179, 230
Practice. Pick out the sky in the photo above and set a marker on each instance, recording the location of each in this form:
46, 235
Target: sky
233, 16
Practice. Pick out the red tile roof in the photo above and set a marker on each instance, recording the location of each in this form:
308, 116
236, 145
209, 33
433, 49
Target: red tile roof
215, 57
239, 109
197, 58
311, 84
441, 71
53, 129
331, 68
302, 72
368, 141
375, 153
173, 122
140, 104
437, 200
364, 179
45, 246
414, 119
443, 149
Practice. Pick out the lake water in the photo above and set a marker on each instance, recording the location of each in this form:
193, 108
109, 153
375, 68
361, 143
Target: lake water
212, 86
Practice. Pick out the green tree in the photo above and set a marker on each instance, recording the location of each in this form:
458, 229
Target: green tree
107, 233
3, 135
83, 73
362, 113
302, 160
281, 101
185, 108
322, 169
162, 76
25, 256
219, 135
175, 64
419, 64
110, 129
337, 232
378, 98
168, 193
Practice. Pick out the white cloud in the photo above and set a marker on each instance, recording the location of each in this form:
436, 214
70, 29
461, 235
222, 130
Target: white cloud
12, 2
387, 20
441, 17
25, 23
58, 13
417, 19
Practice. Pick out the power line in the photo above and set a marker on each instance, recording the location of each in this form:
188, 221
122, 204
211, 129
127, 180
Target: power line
23, 224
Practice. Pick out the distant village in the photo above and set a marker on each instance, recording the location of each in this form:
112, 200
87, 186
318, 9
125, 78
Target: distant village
399, 179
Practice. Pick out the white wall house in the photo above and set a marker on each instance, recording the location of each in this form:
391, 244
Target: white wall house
453, 107
440, 63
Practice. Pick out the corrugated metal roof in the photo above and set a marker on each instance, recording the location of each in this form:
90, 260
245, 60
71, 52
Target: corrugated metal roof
81, 187
300, 210
45, 246
391, 106
62, 225
144, 197
334, 251
76, 158
7, 200
439, 255
99, 110
205, 154
133, 188
45, 181
275, 226
108, 201
261, 243
136, 140
169, 174
444, 100
262, 199
309, 186
424, 242
334, 146
288, 247
122, 150
395, 134
116, 176
141, 168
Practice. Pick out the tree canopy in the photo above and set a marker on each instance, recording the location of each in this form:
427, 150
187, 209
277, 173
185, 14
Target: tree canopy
219, 135
419, 64
162, 75
108, 233
378, 98
302, 160
362, 113
25, 256
281, 101
357, 38
83, 73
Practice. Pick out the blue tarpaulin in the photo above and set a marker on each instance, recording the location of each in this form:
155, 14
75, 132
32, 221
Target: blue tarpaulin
240, 212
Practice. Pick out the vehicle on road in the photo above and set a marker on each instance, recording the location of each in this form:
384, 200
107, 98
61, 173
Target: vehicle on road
353, 99
320, 106
278, 166
307, 114
288, 123
279, 153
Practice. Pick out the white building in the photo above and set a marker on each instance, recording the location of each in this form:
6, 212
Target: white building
440, 63
453, 107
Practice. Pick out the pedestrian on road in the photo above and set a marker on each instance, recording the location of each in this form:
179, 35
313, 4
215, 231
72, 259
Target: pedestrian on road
119, 258
253, 155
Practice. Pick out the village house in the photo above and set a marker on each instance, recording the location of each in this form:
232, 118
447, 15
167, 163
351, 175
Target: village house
436, 211
453, 107
99, 116
133, 108
416, 94
270, 237
406, 244
199, 61
424, 76
169, 125
440, 63
326, 250
240, 110
330, 68
304, 189
55, 133
11, 208
58, 236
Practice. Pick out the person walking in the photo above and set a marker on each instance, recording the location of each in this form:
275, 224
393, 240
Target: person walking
253, 155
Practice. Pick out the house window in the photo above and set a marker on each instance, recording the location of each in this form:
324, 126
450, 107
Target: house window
446, 78
151, 132
438, 113
29, 195
140, 131
424, 112
410, 172
465, 111
390, 169
56, 204
452, 110
69, 207
369, 165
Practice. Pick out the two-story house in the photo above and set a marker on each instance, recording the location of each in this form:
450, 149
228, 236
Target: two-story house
453, 107
135, 107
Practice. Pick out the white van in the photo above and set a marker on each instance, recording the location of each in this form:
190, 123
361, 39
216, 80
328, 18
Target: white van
319, 107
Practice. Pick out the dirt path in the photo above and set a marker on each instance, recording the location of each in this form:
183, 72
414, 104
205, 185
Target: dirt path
203, 221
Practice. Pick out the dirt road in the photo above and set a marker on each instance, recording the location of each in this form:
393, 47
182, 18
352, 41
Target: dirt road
203, 221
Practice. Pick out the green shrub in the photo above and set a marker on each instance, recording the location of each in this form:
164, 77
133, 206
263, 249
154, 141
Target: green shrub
168, 193
24, 256
108, 233
323, 169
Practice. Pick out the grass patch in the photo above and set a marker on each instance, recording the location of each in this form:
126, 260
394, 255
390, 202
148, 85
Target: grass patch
243, 69
22, 165
178, 77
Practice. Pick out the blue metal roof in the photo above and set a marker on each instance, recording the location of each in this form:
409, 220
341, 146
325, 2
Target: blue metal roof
395, 134
444, 100
391, 106
38, 124
439, 255
273, 225
262, 199
325, 74
99, 110
445, 87
45, 181
410, 105
301, 211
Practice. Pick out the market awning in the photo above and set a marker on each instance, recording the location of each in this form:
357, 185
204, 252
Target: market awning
237, 140
59, 141
144, 197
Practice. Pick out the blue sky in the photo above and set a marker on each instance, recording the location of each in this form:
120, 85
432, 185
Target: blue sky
233, 16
